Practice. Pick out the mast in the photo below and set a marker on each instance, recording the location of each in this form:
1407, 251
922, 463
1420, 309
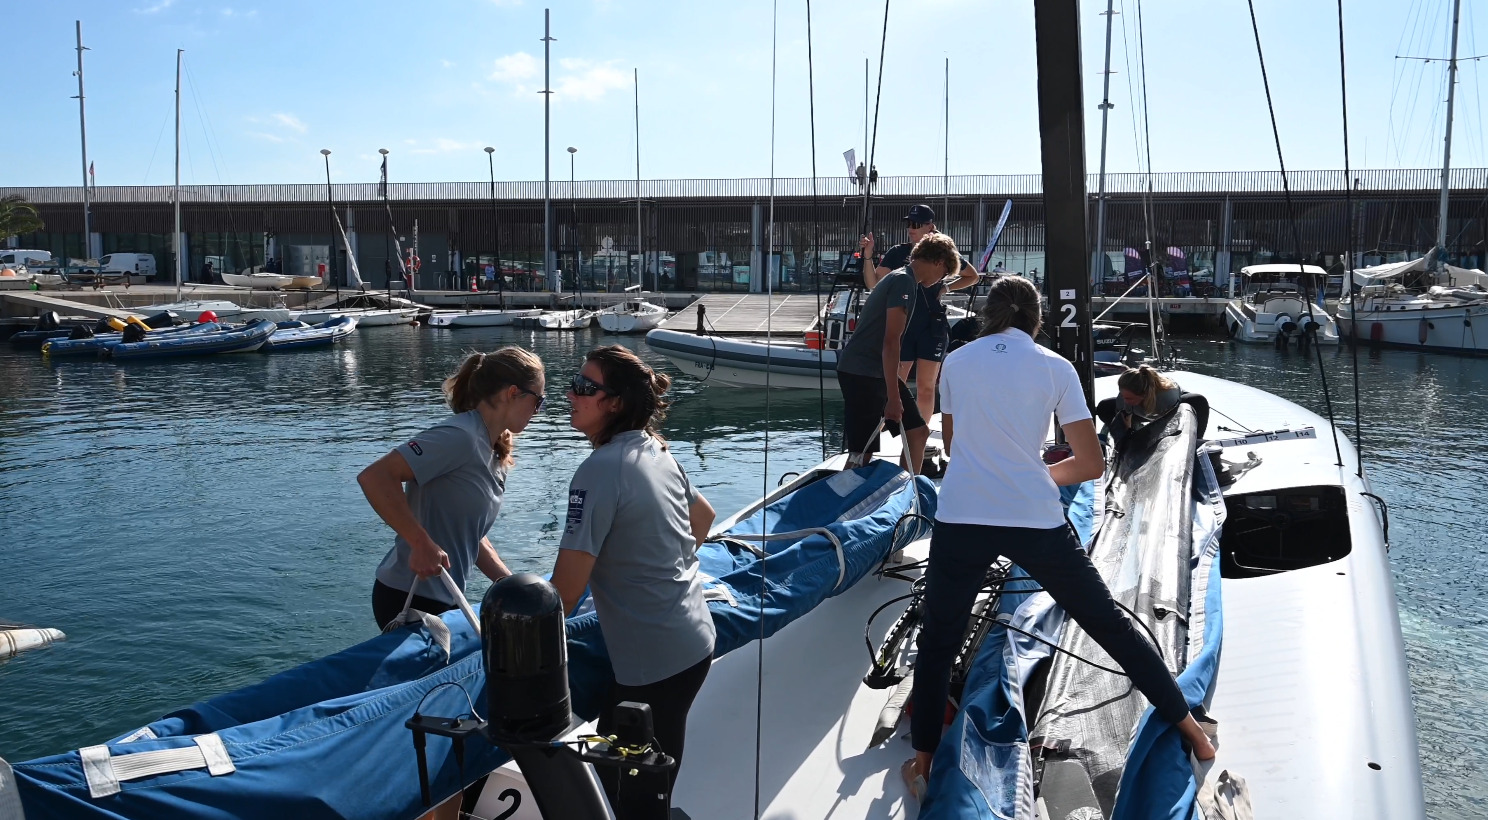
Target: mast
945, 212
1097, 262
1062, 144
496, 228
547, 93
1441, 219
83, 124
176, 195
640, 247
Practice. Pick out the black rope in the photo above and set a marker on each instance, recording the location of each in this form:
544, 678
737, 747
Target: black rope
1296, 235
1348, 256
873, 145
821, 378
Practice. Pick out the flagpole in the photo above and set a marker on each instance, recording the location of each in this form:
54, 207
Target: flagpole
547, 93
176, 196
387, 236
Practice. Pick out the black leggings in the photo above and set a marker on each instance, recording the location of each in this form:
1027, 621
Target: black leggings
387, 603
646, 795
959, 557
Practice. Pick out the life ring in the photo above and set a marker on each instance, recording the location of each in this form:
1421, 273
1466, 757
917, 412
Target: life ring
414, 263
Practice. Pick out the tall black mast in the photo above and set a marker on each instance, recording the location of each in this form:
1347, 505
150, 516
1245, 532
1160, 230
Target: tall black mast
1062, 140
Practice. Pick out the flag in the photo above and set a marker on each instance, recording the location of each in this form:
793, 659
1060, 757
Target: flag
851, 155
382, 184
91, 179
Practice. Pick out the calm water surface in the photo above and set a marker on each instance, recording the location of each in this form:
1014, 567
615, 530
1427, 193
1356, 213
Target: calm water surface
195, 526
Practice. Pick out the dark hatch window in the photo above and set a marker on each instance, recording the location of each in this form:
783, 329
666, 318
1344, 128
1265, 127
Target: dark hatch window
1283, 530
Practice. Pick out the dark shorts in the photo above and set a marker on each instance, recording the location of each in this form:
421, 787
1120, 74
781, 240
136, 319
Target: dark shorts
387, 603
864, 398
927, 343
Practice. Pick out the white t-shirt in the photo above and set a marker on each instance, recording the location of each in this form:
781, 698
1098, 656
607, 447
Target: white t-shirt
1001, 391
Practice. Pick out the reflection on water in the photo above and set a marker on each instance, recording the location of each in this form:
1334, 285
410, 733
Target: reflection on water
195, 525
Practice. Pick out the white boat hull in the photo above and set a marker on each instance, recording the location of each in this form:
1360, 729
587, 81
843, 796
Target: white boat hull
257, 281
191, 311
478, 318
384, 318
14, 641
1420, 325
631, 317
1264, 326
565, 320
734, 362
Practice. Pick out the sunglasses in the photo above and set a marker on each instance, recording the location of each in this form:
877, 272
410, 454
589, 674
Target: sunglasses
584, 386
542, 401
914, 226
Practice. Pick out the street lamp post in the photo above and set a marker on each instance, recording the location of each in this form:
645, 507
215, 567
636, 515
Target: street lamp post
495, 222
331, 200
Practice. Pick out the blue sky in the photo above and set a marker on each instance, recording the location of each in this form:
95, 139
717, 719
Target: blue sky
271, 82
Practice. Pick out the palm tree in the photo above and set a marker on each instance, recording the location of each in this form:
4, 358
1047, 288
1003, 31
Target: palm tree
17, 216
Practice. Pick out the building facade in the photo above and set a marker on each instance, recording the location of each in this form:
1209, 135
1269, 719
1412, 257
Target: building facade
730, 234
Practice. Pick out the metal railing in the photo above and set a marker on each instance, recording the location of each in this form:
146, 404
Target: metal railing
1008, 185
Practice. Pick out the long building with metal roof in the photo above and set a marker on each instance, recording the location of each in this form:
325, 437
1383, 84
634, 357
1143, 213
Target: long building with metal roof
717, 234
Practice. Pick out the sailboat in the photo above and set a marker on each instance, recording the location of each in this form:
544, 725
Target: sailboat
634, 315
1422, 304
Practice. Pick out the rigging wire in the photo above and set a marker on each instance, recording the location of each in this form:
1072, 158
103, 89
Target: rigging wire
209, 135
1296, 235
1348, 254
759, 669
873, 144
821, 377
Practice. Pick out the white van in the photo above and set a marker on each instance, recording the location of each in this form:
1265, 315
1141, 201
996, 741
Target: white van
129, 264
11, 257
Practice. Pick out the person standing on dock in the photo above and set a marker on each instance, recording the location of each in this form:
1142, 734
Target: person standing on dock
927, 336
455, 475
631, 536
206, 272
868, 365
999, 498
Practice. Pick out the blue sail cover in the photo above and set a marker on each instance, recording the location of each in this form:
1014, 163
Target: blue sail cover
983, 767
327, 739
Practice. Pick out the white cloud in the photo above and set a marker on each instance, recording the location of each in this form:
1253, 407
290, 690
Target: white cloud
161, 5
514, 68
589, 80
291, 121
446, 64
263, 135
444, 145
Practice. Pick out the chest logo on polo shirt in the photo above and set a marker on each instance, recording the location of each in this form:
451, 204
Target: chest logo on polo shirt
1001, 348
575, 511
414, 446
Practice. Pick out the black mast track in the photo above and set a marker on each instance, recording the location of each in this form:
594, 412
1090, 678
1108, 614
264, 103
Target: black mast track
1062, 140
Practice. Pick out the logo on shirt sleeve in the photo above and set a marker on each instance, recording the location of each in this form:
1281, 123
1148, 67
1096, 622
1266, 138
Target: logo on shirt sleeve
414, 446
575, 511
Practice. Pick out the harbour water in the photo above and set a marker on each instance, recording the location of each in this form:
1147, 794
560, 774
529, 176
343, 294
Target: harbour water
195, 526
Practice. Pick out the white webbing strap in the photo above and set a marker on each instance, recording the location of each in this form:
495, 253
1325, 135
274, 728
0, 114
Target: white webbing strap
792, 536
105, 771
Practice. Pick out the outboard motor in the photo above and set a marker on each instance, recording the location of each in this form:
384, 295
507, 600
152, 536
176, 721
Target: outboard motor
48, 321
81, 332
525, 654
1286, 324
159, 320
133, 333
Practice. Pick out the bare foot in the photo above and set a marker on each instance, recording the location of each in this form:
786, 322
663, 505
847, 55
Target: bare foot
1203, 749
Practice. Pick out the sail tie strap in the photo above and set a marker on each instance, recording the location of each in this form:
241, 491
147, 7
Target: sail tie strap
105, 771
742, 539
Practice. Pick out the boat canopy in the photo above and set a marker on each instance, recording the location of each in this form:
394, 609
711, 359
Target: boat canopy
328, 738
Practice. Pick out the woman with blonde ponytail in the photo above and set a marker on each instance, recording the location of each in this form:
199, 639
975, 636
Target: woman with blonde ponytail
631, 537
441, 491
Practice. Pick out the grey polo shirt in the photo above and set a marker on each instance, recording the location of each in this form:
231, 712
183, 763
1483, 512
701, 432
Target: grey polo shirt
863, 353
455, 494
628, 507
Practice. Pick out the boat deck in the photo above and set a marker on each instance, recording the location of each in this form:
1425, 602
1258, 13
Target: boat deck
750, 314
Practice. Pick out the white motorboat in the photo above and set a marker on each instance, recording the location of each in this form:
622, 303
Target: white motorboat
479, 318
191, 310
1274, 307
1405, 305
631, 316
384, 317
747, 362
564, 320
258, 281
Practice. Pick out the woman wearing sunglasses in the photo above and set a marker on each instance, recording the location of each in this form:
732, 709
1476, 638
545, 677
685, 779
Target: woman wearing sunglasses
455, 474
631, 536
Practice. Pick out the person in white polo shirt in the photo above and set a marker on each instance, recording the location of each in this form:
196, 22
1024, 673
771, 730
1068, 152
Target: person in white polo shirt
999, 498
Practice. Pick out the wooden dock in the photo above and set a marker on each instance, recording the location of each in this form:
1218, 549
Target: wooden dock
750, 314
37, 304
